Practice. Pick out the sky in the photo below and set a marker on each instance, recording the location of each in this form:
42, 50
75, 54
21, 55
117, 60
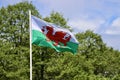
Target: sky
100, 16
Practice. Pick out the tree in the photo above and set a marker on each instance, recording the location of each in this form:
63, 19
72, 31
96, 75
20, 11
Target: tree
14, 41
90, 43
102, 58
94, 60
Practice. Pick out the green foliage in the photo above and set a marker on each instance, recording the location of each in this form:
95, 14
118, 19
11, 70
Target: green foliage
93, 61
14, 41
90, 43
104, 59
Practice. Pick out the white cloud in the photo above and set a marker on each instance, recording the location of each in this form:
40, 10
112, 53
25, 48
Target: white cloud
116, 22
69, 8
84, 24
114, 27
78, 8
112, 40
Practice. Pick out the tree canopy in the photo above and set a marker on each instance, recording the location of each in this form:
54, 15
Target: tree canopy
93, 61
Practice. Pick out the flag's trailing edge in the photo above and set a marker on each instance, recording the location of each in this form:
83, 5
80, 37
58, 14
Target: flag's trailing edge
49, 35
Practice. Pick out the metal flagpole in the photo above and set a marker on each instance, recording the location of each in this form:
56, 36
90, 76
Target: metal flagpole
30, 45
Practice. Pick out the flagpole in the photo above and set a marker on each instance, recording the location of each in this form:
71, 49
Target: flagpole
30, 45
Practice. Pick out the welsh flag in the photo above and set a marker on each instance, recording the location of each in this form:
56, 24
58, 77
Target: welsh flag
50, 35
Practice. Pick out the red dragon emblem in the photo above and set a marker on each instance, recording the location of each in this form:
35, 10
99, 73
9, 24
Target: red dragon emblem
56, 36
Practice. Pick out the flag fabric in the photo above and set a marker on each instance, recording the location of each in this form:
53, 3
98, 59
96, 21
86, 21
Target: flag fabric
53, 36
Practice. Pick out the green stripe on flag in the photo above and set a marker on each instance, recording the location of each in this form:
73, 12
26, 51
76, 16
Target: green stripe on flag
38, 38
72, 47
